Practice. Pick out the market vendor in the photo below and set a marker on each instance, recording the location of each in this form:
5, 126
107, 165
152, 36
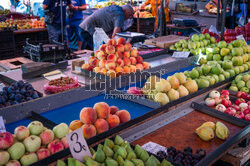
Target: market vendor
154, 10
110, 19
73, 21
53, 18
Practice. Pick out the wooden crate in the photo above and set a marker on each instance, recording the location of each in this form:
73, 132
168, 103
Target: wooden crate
146, 25
14, 63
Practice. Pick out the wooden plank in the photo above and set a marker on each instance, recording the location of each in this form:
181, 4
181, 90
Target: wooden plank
14, 63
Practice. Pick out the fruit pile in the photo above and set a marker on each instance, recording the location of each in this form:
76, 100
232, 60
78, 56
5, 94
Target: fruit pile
186, 157
116, 58
119, 152
196, 45
17, 93
241, 83
206, 131
32, 143
4, 12
99, 119
23, 23
144, 14
164, 91
222, 102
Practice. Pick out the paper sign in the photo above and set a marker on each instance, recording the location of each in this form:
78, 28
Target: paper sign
154, 147
78, 145
102, 34
180, 54
2, 126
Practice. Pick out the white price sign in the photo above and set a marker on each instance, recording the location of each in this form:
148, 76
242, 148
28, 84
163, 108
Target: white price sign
78, 145
153, 147
180, 54
102, 34
2, 126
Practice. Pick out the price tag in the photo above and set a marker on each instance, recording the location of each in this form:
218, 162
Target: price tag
154, 147
102, 34
78, 145
180, 54
2, 126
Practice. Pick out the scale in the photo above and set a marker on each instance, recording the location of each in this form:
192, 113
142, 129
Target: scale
185, 22
133, 37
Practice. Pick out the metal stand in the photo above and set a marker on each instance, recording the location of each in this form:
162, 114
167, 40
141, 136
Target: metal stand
223, 19
62, 29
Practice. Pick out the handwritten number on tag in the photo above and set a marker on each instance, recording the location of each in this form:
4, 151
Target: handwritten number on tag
74, 137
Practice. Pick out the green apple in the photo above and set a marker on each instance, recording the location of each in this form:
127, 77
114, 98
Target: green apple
195, 37
245, 67
199, 70
32, 143
201, 37
233, 88
16, 151
211, 80
198, 44
230, 46
228, 57
172, 47
202, 44
238, 78
244, 49
191, 45
248, 84
35, 127
210, 57
236, 61
179, 49
245, 58
216, 50
240, 60
4, 157
177, 44
224, 51
244, 89
216, 57
237, 43
241, 84
29, 159
236, 52
231, 71
184, 45
194, 74
206, 69
209, 50
246, 77
227, 64
61, 130
203, 83
216, 77
216, 69
211, 63
203, 61
213, 40
236, 70
207, 36
241, 69
221, 77
226, 74
205, 42
241, 50
222, 44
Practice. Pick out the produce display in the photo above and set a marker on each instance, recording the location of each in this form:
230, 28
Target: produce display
186, 157
143, 14
241, 83
221, 102
4, 12
111, 2
99, 119
23, 23
163, 91
61, 84
117, 152
207, 129
116, 58
32, 143
16, 93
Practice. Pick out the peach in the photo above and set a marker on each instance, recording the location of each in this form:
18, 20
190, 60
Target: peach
85, 66
42, 153
102, 63
120, 48
111, 57
119, 54
139, 67
92, 58
111, 73
124, 115
88, 115
75, 124
97, 52
97, 69
113, 110
126, 54
101, 126
132, 68
103, 71
121, 41
102, 110
134, 52
65, 142
110, 65
118, 70
95, 63
127, 47
133, 60
112, 42
110, 49
55, 146
126, 61
47, 136
120, 62
145, 65
103, 47
88, 130
113, 121
101, 55
139, 59
126, 69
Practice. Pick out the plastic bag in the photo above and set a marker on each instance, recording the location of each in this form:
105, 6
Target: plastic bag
56, 89
213, 29
97, 41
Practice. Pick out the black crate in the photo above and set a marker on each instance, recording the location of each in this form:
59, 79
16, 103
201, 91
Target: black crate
146, 25
7, 43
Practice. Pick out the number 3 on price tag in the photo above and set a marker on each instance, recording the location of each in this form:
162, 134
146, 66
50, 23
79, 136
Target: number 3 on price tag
78, 145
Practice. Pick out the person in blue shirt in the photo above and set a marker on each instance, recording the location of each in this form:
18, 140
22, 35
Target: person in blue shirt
54, 27
74, 19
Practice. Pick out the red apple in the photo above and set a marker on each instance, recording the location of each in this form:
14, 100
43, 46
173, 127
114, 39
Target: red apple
226, 102
220, 107
243, 106
247, 117
246, 111
240, 115
47, 136
248, 97
210, 102
213, 94
236, 107
55, 146
217, 100
65, 142
42, 153
21, 132
223, 96
6, 140
224, 92
241, 94
239, 101
230, 111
